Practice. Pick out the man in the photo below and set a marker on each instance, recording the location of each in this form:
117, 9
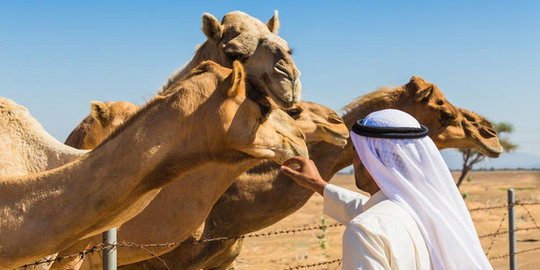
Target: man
417, 220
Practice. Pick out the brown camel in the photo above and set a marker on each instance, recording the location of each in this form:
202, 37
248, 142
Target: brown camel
103, 119
161, 143
164, 220
256, 199
25, 146
265, 55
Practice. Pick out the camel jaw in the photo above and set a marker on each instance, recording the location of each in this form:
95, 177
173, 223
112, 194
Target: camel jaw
285, 92
491, 152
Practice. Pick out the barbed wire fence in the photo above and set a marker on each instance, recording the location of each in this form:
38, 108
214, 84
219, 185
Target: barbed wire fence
290, 231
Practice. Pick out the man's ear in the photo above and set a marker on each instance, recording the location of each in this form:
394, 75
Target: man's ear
273, 23
100, 112
211, 27
238, 77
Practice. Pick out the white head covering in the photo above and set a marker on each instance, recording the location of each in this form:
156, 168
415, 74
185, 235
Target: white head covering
412, 173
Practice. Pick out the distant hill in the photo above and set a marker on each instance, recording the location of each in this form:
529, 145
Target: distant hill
515, 160
511, 161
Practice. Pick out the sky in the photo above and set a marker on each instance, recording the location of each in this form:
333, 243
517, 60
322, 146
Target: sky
57, 56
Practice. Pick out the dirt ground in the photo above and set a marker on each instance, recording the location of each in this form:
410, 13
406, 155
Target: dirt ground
486, 189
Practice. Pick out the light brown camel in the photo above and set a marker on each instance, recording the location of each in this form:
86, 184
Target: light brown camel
264, 196
104, 118
25, 146
164, 220
159, 144
265, 55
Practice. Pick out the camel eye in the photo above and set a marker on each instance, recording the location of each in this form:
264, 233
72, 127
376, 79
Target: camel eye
294, 113
440, 102
290, 51
236, 56
446, 116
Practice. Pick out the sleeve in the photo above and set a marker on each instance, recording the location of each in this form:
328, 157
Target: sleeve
363, 250
342, 204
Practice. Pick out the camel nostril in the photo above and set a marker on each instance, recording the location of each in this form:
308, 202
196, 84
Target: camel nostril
488, 132
280, 67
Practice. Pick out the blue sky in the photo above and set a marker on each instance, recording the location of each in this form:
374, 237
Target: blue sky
57, 56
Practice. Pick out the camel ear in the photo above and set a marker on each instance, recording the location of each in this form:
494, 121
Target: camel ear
424, 94
100, 112
238, 77
273, 23
420, 88
211, 27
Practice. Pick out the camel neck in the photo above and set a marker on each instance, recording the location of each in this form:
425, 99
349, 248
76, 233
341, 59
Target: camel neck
207, 51
92, 192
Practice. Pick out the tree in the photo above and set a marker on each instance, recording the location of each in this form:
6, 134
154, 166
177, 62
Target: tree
472, 157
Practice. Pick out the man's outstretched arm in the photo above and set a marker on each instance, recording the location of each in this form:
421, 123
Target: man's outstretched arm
304, 172
339, 203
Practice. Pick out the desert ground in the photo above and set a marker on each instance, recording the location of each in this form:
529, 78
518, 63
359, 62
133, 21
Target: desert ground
485, 189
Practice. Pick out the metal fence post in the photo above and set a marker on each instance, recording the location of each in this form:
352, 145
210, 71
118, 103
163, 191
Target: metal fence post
512, 229
109, 254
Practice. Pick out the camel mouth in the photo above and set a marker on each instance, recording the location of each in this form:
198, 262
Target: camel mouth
279, 154
281, 100
336, 137
488, 147
491, 151
338, 141
283, 91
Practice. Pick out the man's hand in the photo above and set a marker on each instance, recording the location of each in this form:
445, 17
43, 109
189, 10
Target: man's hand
304, 172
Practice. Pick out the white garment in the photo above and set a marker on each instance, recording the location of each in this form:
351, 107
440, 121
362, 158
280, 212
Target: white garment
379, 234
412, 174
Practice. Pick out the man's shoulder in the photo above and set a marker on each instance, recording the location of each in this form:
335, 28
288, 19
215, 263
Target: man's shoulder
385, 209
384, 214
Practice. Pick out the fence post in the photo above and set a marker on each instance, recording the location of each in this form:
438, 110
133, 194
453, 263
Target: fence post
512, 229
109, 254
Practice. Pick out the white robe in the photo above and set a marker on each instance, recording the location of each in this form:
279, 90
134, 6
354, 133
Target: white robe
379, 234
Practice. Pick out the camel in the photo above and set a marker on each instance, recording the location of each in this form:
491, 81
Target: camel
164, 220
104, 118
25, 146
265, 56
29, 148
256, 199
158, 145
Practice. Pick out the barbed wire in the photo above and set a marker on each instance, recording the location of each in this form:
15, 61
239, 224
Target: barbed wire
102, 246
518, 252
526, 203
314, 264
505, 232
529, 214
81, 255
496, 233
485, 208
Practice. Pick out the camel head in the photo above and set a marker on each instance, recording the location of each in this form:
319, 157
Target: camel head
449, 126
266, 56
319, 123
107, 116
104, 118
248, 126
